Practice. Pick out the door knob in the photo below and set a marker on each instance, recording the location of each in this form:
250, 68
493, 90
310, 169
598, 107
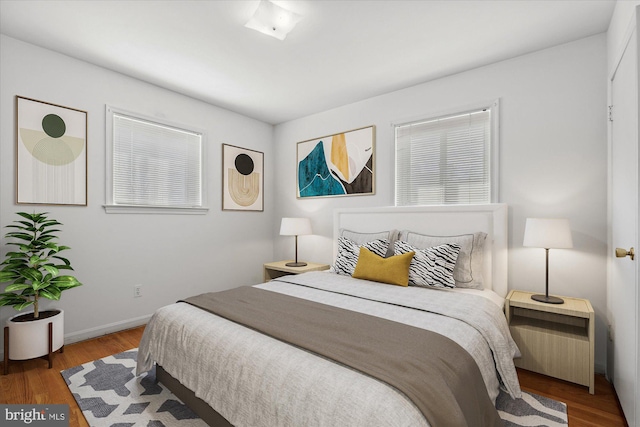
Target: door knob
621, 253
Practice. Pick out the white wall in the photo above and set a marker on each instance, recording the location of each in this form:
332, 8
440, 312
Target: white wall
620, 24
172, 256
553, 161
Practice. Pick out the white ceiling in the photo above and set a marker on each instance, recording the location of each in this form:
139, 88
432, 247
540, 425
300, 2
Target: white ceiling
341, 52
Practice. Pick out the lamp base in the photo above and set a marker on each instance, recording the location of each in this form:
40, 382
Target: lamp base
296, 264
547, 299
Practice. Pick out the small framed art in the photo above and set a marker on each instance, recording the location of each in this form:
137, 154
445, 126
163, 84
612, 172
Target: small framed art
337, 165
51, 154
242, 179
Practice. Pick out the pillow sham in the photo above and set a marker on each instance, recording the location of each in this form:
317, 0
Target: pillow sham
468, 270
362, 238
393, 270
349, 251
431, 266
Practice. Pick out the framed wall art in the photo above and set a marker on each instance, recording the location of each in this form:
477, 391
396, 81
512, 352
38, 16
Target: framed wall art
337, 165
242, 179
51, 154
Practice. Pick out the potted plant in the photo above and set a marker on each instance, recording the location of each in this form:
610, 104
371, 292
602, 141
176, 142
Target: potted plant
33, 272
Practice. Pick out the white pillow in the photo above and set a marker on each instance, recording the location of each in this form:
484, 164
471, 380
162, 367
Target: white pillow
432, 266
349, 251
468, 270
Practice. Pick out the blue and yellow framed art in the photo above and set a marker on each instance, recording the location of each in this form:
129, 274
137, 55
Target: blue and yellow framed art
337, 165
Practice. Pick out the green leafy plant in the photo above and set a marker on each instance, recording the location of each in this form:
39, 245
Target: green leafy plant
34, 268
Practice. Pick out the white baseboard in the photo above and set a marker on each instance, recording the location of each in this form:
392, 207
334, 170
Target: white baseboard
99, 331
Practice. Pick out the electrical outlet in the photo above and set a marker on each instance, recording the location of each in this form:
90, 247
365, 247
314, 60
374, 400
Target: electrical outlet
137, 291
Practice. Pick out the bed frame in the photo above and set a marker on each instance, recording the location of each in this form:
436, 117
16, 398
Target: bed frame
197, 405
437, 220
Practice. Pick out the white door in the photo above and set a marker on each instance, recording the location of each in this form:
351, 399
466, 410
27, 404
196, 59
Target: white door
623, 294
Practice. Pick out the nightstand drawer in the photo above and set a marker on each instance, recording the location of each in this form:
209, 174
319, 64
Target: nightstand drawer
270, 274
554, 339
555, 349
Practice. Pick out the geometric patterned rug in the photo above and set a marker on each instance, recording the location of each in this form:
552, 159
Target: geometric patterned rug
531, 410
109, 394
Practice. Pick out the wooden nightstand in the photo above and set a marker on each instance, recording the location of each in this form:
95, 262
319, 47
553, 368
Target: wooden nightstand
554, 339
278, 269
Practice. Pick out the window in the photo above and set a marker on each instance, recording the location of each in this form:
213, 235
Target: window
152, 165
451, 159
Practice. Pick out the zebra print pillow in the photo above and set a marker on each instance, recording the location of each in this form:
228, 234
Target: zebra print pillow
469, 266
432, 266
348, 252
361, 238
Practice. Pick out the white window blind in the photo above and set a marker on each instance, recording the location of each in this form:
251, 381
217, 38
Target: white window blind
447, 160
155, 165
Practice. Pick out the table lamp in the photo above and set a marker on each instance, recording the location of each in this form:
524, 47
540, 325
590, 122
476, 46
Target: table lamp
295, 227
547, 233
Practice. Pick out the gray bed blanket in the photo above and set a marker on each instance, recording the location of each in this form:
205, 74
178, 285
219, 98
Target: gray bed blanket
254, 380
485, 317
438, 375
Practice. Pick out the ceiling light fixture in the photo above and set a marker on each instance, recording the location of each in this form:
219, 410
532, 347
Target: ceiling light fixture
273, 20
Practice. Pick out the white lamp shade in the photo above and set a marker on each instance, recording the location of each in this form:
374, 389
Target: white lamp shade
273, 20
295, 226
548, 233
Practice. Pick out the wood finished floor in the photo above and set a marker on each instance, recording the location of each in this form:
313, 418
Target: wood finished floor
31, 382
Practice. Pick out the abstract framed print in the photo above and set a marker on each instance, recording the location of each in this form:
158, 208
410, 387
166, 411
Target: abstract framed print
242, 179
51, 159
337, 165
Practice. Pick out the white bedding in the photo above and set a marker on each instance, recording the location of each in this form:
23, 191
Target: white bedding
253, 380
485, 293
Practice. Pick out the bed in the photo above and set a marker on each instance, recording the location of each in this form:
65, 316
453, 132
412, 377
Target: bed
317, 353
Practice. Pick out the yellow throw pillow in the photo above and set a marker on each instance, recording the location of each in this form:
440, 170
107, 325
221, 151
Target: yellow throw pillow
393, 270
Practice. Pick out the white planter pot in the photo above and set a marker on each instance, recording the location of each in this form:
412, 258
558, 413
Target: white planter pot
28, 340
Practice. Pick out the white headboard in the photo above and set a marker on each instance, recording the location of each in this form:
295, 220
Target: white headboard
439, 220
